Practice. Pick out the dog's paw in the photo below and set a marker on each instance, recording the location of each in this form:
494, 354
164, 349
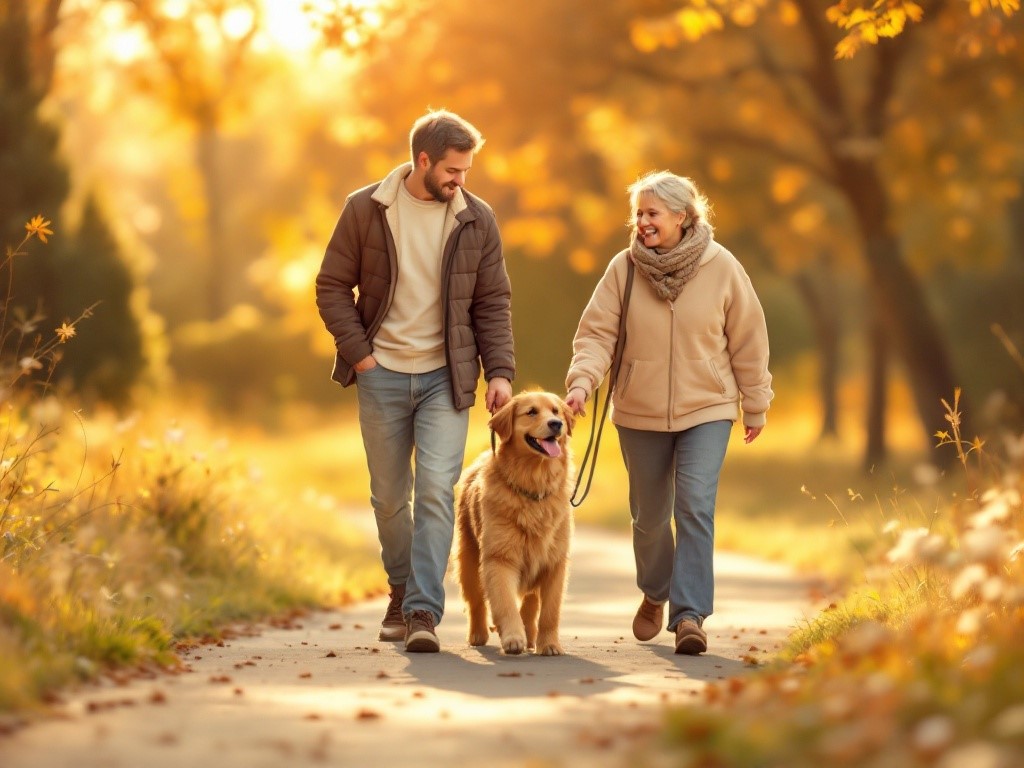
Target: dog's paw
551, 649
513, 645
478, 637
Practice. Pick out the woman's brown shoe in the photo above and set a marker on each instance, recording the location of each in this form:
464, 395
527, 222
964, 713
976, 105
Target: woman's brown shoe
649, 619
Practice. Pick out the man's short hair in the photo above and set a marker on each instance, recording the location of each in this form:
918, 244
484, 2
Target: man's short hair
438, 131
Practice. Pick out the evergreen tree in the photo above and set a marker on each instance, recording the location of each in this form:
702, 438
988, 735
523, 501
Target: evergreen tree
34, 179
106, 358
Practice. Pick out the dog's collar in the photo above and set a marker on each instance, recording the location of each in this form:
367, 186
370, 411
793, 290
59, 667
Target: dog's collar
528, 494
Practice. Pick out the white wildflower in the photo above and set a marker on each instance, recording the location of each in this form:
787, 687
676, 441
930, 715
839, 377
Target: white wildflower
996, 507
969, 623
926, 475
968, 582
906, 548
891, 526
992, 590
978, 754
984, 544
1009, 724
933, 734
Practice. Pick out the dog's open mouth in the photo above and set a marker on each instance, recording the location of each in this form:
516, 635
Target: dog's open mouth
547, 445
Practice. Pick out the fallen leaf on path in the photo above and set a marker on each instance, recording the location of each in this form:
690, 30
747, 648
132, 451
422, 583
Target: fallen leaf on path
331, 655
305, 674
220, 679
334, 626
510, 674
367, 714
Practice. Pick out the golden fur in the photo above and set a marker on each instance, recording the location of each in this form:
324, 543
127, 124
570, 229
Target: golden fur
514, 524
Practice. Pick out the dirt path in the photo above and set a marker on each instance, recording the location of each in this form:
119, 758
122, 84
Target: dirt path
325, 692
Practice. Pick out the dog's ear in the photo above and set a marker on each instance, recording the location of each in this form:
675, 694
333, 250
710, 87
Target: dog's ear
568, 417
501, 421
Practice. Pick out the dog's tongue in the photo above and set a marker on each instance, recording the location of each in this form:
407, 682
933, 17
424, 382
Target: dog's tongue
551, 447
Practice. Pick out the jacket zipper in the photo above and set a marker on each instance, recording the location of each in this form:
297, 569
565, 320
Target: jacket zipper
671, 349
447, 256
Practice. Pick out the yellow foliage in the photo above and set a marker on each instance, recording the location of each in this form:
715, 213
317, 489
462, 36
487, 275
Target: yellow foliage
697, 23
787, 183
597, 216
808, 218
744, 14
544, 197
644, 37
720, 168
536, 235
789, 13
582, 260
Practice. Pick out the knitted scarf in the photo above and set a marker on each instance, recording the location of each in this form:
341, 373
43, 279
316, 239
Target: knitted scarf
668, 272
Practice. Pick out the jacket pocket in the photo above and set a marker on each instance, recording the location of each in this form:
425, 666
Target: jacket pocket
644, 389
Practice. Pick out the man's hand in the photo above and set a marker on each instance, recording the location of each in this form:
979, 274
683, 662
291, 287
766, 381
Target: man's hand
576, 399
365, 364
499, 392
751, 433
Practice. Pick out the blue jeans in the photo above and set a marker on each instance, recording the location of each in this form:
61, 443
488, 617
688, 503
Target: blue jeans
674, 475
415, 441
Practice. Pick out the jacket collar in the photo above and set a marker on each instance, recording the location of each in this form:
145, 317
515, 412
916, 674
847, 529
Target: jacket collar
387, 191
712, 250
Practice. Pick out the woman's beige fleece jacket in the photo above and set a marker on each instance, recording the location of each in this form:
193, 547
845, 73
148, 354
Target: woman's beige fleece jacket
700, 358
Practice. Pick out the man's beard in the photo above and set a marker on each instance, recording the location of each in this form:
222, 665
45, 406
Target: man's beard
442, 194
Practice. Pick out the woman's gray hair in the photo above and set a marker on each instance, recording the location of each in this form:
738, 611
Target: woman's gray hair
679, 194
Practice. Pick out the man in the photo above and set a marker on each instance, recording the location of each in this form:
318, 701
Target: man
433, 305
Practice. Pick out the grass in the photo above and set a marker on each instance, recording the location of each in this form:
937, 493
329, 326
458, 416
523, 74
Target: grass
120, 539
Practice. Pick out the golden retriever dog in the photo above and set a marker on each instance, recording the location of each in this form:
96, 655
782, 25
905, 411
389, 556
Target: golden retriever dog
514, 525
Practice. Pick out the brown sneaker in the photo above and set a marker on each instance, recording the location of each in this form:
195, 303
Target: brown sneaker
649, 619
393, 626
690, 638
420, 636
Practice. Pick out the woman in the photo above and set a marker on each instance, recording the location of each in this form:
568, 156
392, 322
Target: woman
696, 354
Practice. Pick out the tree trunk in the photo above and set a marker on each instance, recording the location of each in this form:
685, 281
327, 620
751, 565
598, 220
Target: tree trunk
823, 305
217, 253
875, 450
912, 327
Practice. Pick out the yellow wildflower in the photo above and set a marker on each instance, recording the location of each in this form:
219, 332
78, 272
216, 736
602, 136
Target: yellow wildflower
65, 332
39, 227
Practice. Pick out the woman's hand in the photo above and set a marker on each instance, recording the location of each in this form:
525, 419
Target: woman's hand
751, 433
576, 399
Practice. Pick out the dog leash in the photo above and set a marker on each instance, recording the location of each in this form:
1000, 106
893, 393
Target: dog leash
597, 426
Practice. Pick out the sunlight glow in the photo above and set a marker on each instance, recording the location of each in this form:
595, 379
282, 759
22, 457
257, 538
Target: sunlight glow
237, 22
294, 29
289, 27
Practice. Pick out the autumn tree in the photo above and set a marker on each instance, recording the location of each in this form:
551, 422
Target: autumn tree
844, 123
197, 61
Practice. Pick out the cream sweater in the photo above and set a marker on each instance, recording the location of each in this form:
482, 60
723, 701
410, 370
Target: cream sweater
698, 359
